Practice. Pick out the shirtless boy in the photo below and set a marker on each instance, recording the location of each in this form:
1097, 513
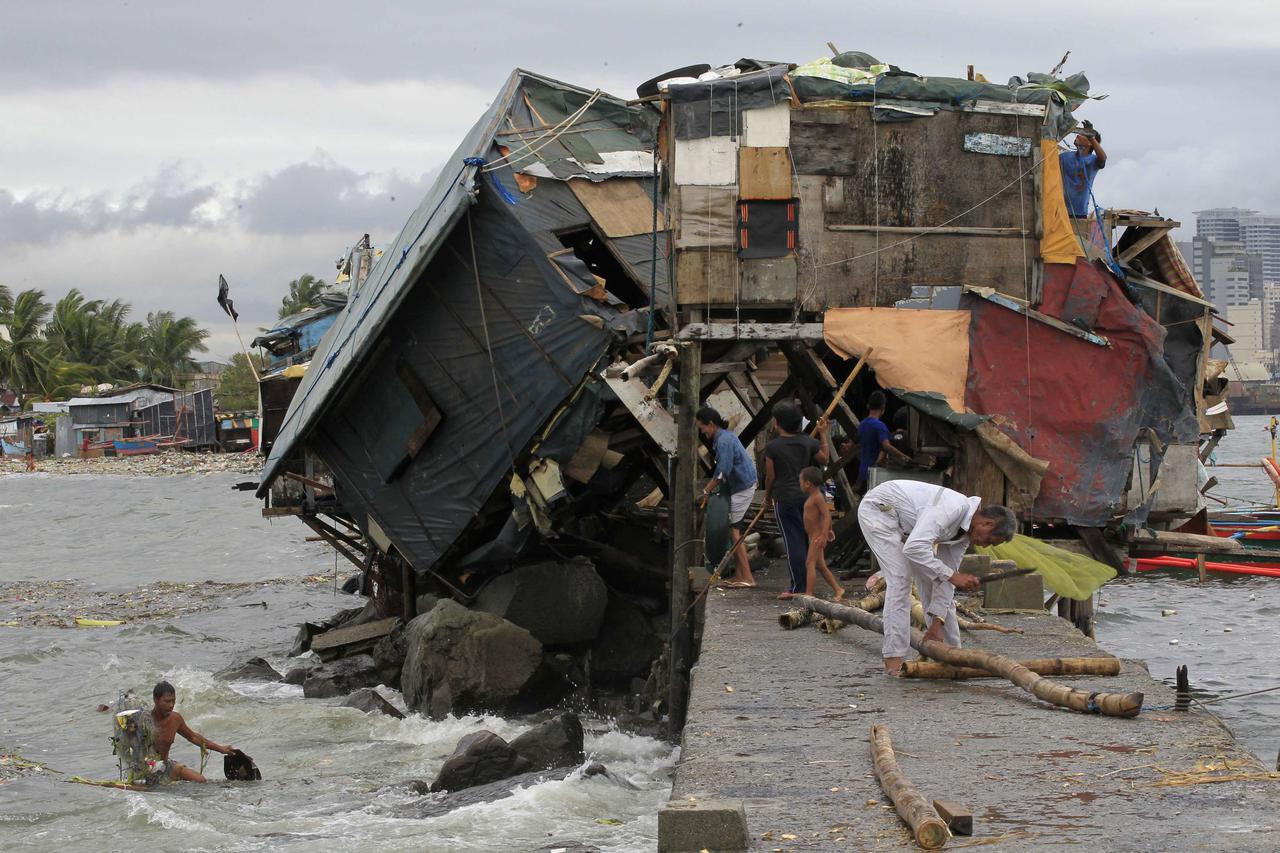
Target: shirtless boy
817, 526
168, 725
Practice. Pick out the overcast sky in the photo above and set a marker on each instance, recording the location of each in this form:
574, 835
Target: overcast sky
147, 146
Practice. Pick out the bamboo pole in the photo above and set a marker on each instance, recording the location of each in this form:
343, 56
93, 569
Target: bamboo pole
1045, 666
928, 829
1110, 704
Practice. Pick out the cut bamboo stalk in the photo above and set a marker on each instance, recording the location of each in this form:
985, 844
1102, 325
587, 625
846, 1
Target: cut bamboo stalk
792, 619
830, 626
1045, 666
1110, 704
928, 828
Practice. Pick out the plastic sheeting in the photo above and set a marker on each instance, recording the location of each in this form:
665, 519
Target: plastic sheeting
912, 350
714, 107
1068, 574
1058, 245
1075, 404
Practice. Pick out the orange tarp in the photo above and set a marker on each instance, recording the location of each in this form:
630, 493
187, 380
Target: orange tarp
1059, 244
912, 349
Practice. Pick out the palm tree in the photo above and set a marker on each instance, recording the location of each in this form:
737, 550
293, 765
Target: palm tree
58, 379
23, 318
167, 346
304, 292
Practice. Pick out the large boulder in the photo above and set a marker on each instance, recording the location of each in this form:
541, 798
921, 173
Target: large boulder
459, 660
479, 758
340, 677
371, 702
388, 655
297, 674
559, 603
555, 743
251, 669
627, 644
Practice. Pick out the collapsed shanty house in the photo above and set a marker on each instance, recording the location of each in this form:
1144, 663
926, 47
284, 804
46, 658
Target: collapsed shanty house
469, 410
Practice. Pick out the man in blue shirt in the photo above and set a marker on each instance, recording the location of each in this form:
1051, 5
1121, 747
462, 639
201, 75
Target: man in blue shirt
874, 439
735, 470
1079, 167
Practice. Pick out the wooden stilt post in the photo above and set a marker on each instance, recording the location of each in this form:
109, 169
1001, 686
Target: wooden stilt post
1110, 704
685, 551
1200, 567
928, 829
408, 590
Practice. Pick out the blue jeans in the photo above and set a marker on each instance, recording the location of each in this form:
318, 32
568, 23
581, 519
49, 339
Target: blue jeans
790, 516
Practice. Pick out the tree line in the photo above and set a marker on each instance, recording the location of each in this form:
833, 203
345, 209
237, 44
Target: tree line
51, 350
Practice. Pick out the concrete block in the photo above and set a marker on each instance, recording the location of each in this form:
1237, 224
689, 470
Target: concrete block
693, 825
976, 564
1025, 592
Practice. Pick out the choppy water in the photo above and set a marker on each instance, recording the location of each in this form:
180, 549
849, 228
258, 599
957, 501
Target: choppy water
1218, 661
324, 767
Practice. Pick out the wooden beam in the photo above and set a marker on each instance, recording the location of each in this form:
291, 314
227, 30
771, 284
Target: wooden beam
958, 818
966, 230
307, 481
762, 417
685, 551
1143, 243
1100, 550
801, 357
751, 332
722, 367
1014, 305
279, 511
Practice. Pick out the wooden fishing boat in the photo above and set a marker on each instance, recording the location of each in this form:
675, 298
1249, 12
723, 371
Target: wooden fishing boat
134, 447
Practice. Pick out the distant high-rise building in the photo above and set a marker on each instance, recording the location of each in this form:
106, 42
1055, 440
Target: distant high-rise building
1270, 313
1246, 327
1259, 233
1226, 273
1221, 223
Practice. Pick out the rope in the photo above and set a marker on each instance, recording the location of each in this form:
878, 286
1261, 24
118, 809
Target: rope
715, 576
932, 228
653, 257
1203, 702
875, 154
553, 133
484, 324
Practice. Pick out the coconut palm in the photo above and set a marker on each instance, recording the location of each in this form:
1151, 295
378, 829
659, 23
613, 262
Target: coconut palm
23, 317
96, 333
168, 343
304, 292
58, 379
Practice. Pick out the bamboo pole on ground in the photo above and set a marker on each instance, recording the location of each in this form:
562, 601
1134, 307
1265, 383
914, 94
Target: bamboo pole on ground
926, 826
1045, 666
1110, 704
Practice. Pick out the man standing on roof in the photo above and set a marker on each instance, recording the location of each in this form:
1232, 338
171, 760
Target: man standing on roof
918, 532
1079, 167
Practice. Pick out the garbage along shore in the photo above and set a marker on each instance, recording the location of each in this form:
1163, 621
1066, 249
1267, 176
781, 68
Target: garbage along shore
154, 465
779, 722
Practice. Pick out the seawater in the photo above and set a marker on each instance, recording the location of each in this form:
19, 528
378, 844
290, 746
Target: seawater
331, 774
1219, 662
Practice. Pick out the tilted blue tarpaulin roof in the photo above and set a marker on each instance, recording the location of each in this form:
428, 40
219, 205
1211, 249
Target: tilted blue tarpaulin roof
372, 306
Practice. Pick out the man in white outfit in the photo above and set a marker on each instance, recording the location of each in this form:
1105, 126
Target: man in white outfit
919, 531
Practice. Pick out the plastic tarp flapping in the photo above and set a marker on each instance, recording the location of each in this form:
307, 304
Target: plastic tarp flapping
1069, 575
1059, 244
912, 350
1076, 404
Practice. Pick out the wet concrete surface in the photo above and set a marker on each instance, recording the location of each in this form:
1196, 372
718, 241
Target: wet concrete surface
780, 719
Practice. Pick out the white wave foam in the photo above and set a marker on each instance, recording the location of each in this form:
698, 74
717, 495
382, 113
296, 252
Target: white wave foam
157, 813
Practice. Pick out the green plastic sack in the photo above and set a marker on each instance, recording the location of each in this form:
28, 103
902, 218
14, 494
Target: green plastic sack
1068, 574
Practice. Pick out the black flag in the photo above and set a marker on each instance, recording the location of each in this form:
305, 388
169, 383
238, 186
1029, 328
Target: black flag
224, 300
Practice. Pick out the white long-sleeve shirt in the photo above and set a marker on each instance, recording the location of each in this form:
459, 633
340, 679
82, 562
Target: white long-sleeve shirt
934, 519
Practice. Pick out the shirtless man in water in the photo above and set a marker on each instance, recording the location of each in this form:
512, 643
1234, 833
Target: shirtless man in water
168, 725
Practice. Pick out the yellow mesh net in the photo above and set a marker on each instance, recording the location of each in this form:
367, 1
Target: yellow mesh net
1069, 575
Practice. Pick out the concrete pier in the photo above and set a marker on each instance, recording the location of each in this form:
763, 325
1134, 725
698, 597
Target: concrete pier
779, 721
